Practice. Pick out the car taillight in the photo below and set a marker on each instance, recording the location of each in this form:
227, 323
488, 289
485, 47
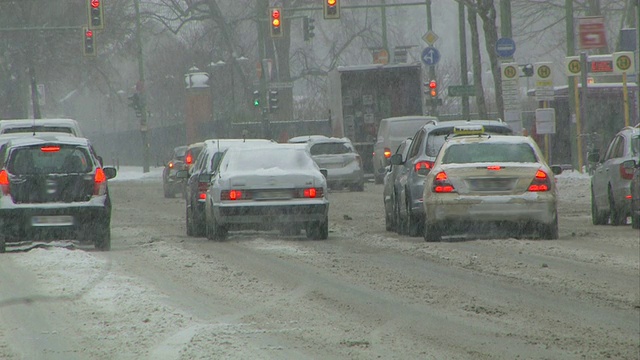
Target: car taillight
387, 153
423, 165
311, 193
202, 190
626, 173
441, 183
232, 195
99, 182
50, 148
541, 182
4, 182
188, 159
494, 167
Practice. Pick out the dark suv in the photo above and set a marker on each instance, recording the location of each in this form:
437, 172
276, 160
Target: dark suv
611, 179
54, 187
424, 148
199, 176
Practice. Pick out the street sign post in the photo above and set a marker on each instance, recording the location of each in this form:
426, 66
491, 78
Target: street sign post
505, 47
430, 56
510, 90
544, 81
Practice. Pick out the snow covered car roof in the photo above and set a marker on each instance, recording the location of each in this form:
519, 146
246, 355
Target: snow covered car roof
69, 126
47, 138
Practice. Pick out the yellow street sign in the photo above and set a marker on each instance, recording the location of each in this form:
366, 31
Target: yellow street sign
623, 62
572, 66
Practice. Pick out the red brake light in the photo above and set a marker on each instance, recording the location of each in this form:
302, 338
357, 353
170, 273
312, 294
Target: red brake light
4, 182
50, 148
494, 167
423, 165
202, 196
235, 194
188, 158
540, 182
310, 193
99, 182
625, 173
441, 183
387, 153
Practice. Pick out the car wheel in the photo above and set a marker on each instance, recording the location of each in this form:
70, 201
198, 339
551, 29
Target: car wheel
214, 231
401, 225
597, 217
431, 233
617, 216
167, 192
198, 223
3, 243
549, 231
189, 221
102, 240
318, 230
414, 226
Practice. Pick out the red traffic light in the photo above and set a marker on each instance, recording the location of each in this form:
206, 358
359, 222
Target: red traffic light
433, 84
88, 33
275, 17
95, 3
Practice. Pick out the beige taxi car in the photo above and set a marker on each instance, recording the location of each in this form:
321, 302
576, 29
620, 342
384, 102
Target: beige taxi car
490, 185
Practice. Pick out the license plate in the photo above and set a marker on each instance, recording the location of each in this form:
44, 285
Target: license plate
273, 195
52, 220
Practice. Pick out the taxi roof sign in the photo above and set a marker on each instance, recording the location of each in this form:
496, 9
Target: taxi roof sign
468, 130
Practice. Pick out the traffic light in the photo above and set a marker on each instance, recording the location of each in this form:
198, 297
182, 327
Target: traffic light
308, 27
433, 89
273, 100
276, 21
89, 42
527, 70
96, 17
256, 98
331, 9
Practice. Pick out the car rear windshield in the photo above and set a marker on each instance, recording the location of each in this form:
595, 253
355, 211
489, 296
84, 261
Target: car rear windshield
329, 149
49, 159
289, 159
405, 129
437, 137
489, 152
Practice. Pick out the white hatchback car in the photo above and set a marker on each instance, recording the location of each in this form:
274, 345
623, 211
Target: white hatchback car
275, 187
490, 184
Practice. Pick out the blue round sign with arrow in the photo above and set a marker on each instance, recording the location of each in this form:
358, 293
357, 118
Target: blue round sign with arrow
430, 56
505, 47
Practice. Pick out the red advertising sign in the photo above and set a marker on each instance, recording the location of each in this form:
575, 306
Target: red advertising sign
592, 32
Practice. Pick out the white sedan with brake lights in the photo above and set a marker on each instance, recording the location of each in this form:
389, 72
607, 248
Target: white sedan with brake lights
490, 183
275, 187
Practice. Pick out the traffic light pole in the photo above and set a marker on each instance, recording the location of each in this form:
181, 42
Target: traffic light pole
261, 8
140, 88
432, 69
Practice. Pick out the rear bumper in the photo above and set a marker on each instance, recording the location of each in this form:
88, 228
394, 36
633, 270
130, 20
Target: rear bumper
274, 213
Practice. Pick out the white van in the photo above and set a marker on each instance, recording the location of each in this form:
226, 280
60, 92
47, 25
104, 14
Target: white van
18, 126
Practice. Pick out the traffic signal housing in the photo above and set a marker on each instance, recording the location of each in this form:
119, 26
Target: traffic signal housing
89, 42
331, 9
433, 89
527, 70
96, 16
273, 100
276, 21
256, 98
308, 27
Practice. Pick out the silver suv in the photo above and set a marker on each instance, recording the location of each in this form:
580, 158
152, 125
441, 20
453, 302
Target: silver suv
423, 151
611, 180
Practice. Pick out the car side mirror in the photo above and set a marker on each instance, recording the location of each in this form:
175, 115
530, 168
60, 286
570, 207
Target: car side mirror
182, 174
594, 156
324, 172
396, 159
556, 170
110, 172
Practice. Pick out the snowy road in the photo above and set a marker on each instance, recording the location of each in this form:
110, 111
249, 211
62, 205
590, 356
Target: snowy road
364, 293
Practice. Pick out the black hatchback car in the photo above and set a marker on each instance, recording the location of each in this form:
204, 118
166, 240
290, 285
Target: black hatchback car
54, 187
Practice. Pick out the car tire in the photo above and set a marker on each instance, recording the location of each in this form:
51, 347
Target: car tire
167, 192
549, 231
189, 221
414, 226
388, 222
378, 179
597, 217
198, 224
214, 231
401, 225
431, 233
102, 237
616, 216
318, 230
3, 244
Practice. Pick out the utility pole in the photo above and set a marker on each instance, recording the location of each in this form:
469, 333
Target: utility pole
262, 9
383, 14
432, 68
638, 61
464, 79
505, 19
140, 88
576, 139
